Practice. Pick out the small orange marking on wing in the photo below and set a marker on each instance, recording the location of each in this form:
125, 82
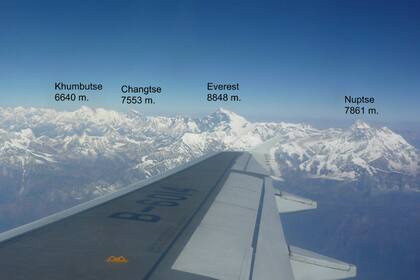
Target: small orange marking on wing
113, 259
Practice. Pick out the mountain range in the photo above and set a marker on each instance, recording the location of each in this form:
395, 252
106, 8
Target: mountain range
88, 152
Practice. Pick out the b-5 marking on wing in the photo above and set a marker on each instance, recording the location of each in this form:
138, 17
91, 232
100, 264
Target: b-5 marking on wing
163, 197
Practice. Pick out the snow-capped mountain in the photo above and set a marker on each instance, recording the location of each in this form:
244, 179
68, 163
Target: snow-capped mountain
349, 154
88, 152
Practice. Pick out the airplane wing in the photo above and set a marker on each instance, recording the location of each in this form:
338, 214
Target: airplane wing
215, 218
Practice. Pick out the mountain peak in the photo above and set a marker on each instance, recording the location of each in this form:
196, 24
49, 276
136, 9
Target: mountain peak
226, 114
85, 111
222, 119
85, 108
222, 110
359, 124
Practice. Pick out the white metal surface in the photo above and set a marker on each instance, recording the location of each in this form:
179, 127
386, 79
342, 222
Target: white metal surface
253, 166
241, 162
220, 247
288, 203
272, 254
308, 265
264, 154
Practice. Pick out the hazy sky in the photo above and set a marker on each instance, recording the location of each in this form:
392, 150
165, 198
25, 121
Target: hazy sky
293, 59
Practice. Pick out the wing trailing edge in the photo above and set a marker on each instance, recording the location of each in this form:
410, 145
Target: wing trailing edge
310, 265
289, 203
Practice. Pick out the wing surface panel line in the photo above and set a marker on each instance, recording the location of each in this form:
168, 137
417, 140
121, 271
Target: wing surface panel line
256, 231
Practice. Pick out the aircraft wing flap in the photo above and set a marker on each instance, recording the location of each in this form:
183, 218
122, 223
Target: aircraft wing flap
221, 245
310, 265
271, 255
288, 203
254, 166
241, 236
242, 162
247, 163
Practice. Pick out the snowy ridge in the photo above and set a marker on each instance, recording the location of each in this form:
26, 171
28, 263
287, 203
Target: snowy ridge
348, 154
111, 149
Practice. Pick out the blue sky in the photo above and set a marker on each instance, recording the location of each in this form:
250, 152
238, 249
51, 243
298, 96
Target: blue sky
293, 59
